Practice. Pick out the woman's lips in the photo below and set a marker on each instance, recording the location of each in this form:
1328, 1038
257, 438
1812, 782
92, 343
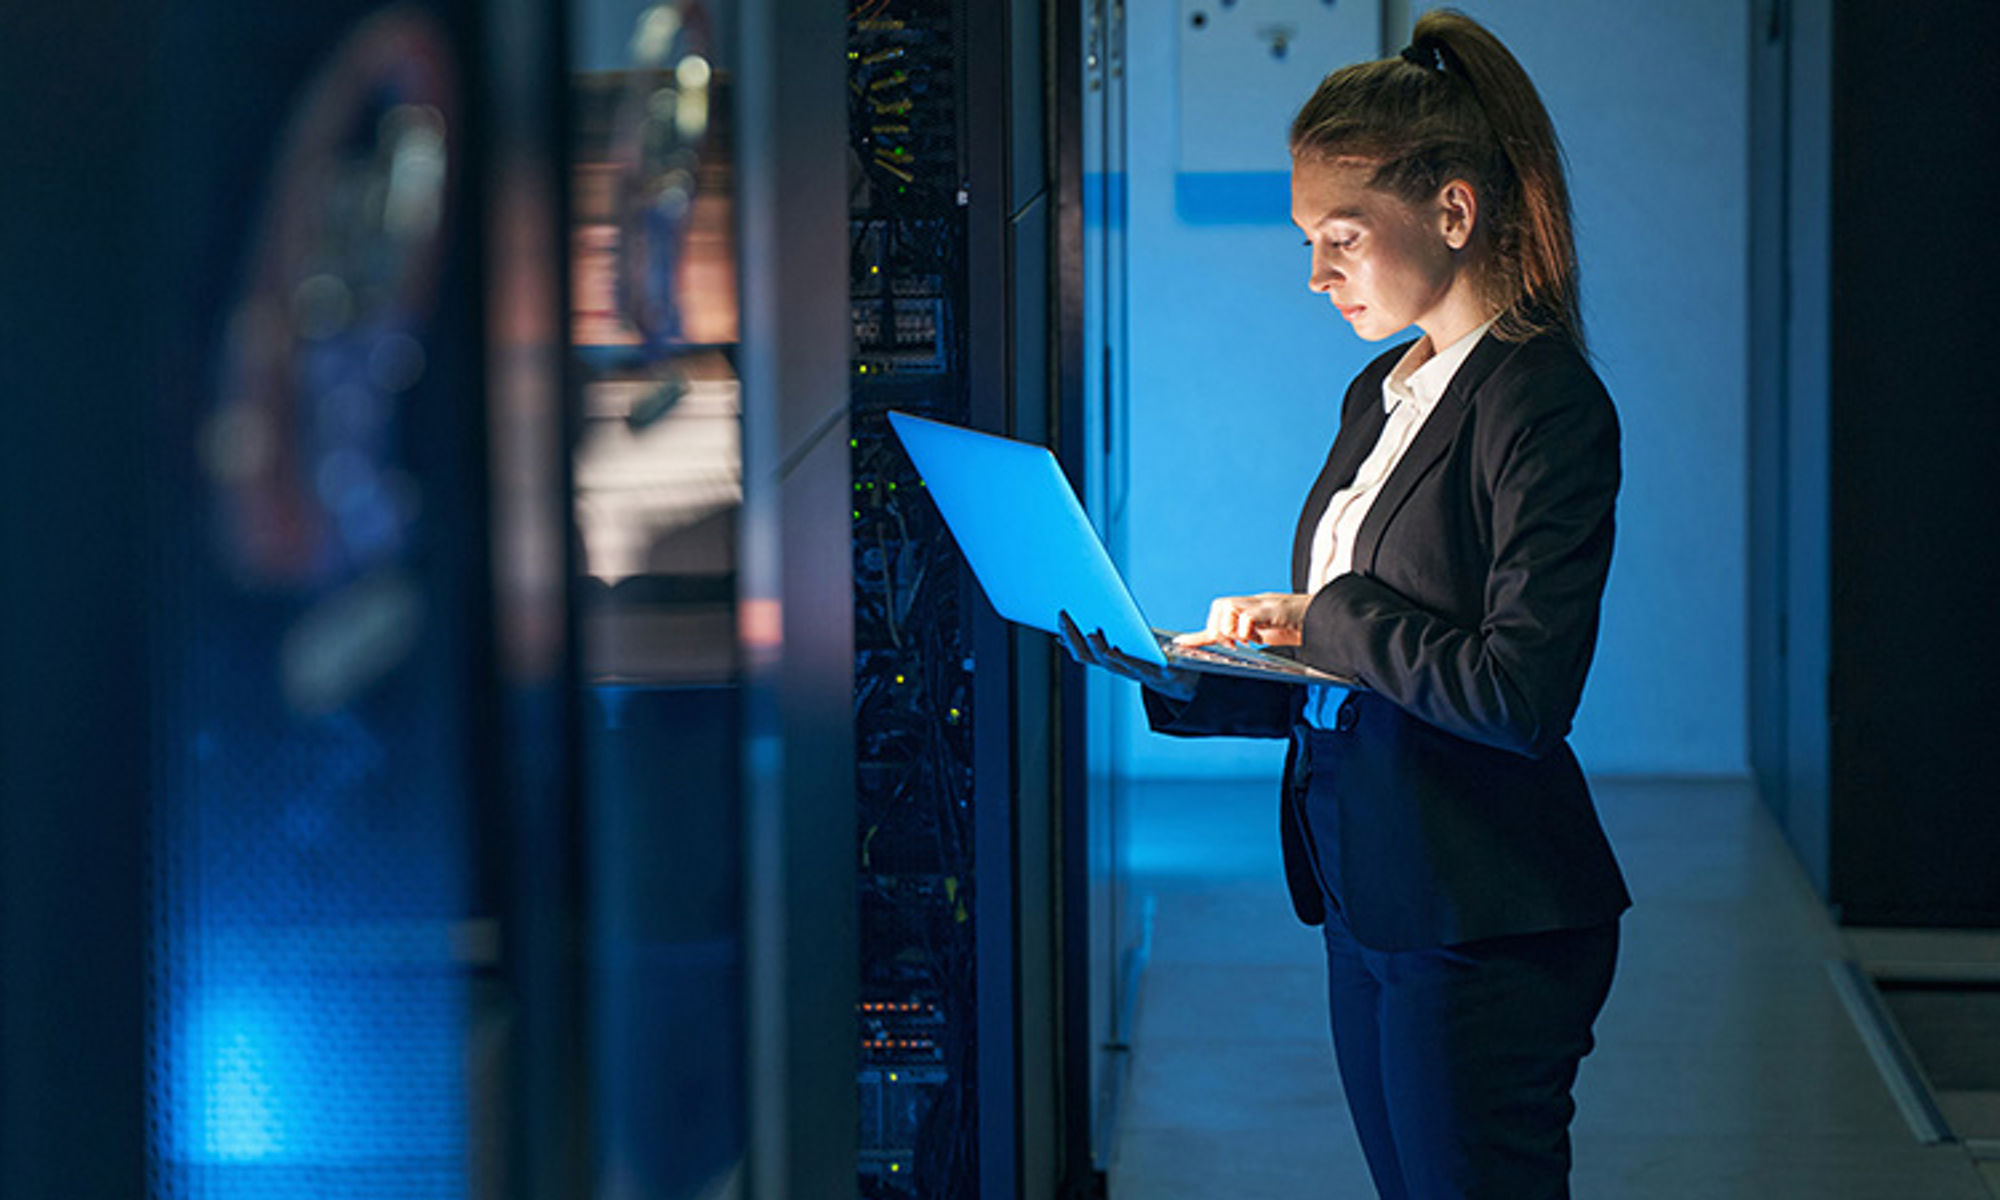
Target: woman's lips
1349, 310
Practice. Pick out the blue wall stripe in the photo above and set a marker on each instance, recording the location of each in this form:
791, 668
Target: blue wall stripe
1233, 197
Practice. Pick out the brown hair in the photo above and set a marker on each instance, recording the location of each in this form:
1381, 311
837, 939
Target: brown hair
1456, 105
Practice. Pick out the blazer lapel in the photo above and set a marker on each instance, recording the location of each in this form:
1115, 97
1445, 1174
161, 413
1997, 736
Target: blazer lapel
1440, 428
1352, 444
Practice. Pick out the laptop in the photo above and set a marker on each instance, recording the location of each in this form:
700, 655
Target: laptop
1024, 533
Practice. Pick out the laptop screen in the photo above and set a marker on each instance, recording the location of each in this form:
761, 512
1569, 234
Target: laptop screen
1023, 532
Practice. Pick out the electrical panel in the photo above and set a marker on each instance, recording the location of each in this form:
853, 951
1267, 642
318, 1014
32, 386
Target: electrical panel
1242, 68
1245, 66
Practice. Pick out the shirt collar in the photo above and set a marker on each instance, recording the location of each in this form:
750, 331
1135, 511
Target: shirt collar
1420, 376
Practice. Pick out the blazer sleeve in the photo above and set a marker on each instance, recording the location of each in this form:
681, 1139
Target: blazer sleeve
1548, 458
1227, 706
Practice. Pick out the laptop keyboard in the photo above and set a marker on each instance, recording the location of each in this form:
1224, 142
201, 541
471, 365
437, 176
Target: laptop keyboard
1231, 656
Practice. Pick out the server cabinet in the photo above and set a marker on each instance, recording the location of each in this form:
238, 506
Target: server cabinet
301, 662
74, 746
363, 875
1094, 311
972, 1080
1872, 679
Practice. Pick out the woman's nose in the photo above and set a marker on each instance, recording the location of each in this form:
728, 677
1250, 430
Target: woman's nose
1322, 276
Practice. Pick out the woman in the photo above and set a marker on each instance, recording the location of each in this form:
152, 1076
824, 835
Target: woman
1451, 557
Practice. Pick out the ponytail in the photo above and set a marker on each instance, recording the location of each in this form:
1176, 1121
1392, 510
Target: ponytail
1456, 104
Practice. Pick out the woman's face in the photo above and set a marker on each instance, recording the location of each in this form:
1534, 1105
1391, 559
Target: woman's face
1385, 264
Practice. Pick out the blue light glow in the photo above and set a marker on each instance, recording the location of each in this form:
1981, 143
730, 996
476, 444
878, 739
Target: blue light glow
240, 1122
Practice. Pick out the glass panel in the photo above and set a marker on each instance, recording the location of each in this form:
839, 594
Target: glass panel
658, 479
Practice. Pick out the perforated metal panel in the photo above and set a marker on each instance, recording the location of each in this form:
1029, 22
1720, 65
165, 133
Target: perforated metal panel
309, 1014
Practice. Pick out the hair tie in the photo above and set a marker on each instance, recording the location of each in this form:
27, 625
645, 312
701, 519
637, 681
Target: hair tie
1429, 56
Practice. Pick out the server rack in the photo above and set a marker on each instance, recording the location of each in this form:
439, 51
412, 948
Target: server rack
973, 1076
363, 880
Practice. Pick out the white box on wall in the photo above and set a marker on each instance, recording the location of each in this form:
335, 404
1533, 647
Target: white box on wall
1244, 67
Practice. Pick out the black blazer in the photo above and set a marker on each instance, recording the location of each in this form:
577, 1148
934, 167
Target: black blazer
1470, 615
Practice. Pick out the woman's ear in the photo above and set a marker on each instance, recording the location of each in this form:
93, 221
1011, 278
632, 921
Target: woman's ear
1458, 212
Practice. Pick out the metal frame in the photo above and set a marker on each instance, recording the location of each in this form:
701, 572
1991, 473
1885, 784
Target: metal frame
796, 601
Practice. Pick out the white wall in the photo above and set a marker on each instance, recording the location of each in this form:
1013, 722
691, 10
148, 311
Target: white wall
1236, 370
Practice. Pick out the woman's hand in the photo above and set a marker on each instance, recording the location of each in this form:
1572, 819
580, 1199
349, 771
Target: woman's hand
1268, 618
1093, 651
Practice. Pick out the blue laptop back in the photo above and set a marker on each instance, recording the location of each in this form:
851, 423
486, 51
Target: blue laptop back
1021, 529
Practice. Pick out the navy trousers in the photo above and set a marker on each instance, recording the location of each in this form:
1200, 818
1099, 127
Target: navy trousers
1458, 1061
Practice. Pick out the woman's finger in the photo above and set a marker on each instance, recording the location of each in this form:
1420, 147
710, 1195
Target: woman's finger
1120, 663
1070, 637
1221, 613
1132, 668
1166, 680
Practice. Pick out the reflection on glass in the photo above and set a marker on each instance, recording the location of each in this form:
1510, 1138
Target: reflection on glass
659, 460
658, 478
310, 883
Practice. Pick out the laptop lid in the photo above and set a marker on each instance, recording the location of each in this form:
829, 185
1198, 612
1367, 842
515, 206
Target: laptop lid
1024, 533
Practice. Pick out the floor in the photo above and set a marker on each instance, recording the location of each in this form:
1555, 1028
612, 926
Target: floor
1727, 1067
